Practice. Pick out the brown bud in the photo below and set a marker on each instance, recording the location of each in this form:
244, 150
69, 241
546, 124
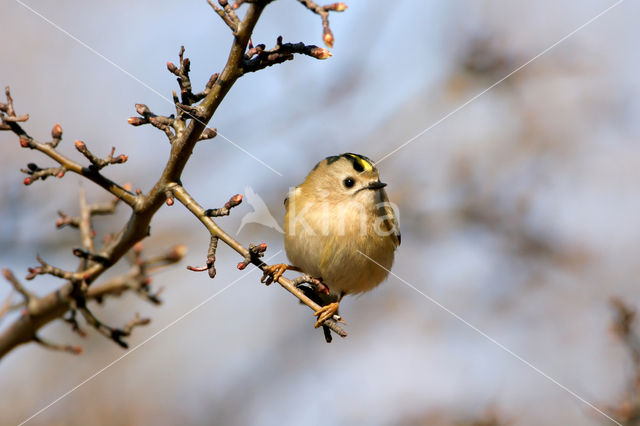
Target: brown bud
171, 67
169, 201
76, 349
80, 253
121, 158
209, 133
136, 121
235, 200
137, 248
56, 132
28, 181
328, 38
336, 7
24, 142
80, 146
320, 53
60, 174
177, 252
142, 109
127, 186
242, 265
261, 247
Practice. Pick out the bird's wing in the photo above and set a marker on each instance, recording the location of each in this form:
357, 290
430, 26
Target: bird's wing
390, 221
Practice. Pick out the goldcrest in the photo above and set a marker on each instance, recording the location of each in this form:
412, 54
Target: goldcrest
338, 220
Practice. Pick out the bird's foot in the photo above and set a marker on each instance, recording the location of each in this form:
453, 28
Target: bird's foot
316, 284
273, 272
326, 312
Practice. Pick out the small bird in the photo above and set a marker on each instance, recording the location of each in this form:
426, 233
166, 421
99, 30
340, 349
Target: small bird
339, 224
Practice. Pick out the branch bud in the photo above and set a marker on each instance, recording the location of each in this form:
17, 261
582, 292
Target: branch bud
320, 53
137, 248
336, 7
80, 146
56, 132
24, 142
136, 121
209, 133
177, 252
172, 68
27, 181
142, 109
233, 201
328, 38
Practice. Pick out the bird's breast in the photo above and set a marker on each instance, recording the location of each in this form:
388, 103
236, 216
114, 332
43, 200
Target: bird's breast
337, 245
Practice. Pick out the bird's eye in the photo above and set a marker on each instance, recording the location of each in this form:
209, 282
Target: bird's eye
349, 182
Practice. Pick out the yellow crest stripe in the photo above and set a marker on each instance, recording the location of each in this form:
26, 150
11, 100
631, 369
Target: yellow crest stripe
364, 163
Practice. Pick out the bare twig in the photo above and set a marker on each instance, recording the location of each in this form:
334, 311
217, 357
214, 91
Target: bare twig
211, 259
226, 209
184, 131
227, 14
323, 11
36, 173
8, 121
73, 349
99, 163
17, 286
258, 58
181, 194
624, 326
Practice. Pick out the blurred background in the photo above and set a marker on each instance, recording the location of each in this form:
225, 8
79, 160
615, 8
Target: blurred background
519, 212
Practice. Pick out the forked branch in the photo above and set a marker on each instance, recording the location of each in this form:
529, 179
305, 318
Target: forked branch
184, 129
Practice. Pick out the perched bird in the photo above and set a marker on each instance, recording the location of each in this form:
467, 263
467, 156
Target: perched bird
338, 225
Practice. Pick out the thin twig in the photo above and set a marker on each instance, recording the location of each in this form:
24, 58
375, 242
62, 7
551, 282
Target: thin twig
181, 194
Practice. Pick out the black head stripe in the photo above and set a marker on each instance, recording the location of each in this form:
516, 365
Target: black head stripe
332, 159
360, 162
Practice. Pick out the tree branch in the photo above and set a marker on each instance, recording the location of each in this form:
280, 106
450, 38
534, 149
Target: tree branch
181, 194
184, 131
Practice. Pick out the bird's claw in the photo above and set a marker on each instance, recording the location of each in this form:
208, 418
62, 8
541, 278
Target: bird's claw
326, 312
315, 283
273, 272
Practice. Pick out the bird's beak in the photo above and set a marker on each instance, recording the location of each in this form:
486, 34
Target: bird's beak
376, 185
